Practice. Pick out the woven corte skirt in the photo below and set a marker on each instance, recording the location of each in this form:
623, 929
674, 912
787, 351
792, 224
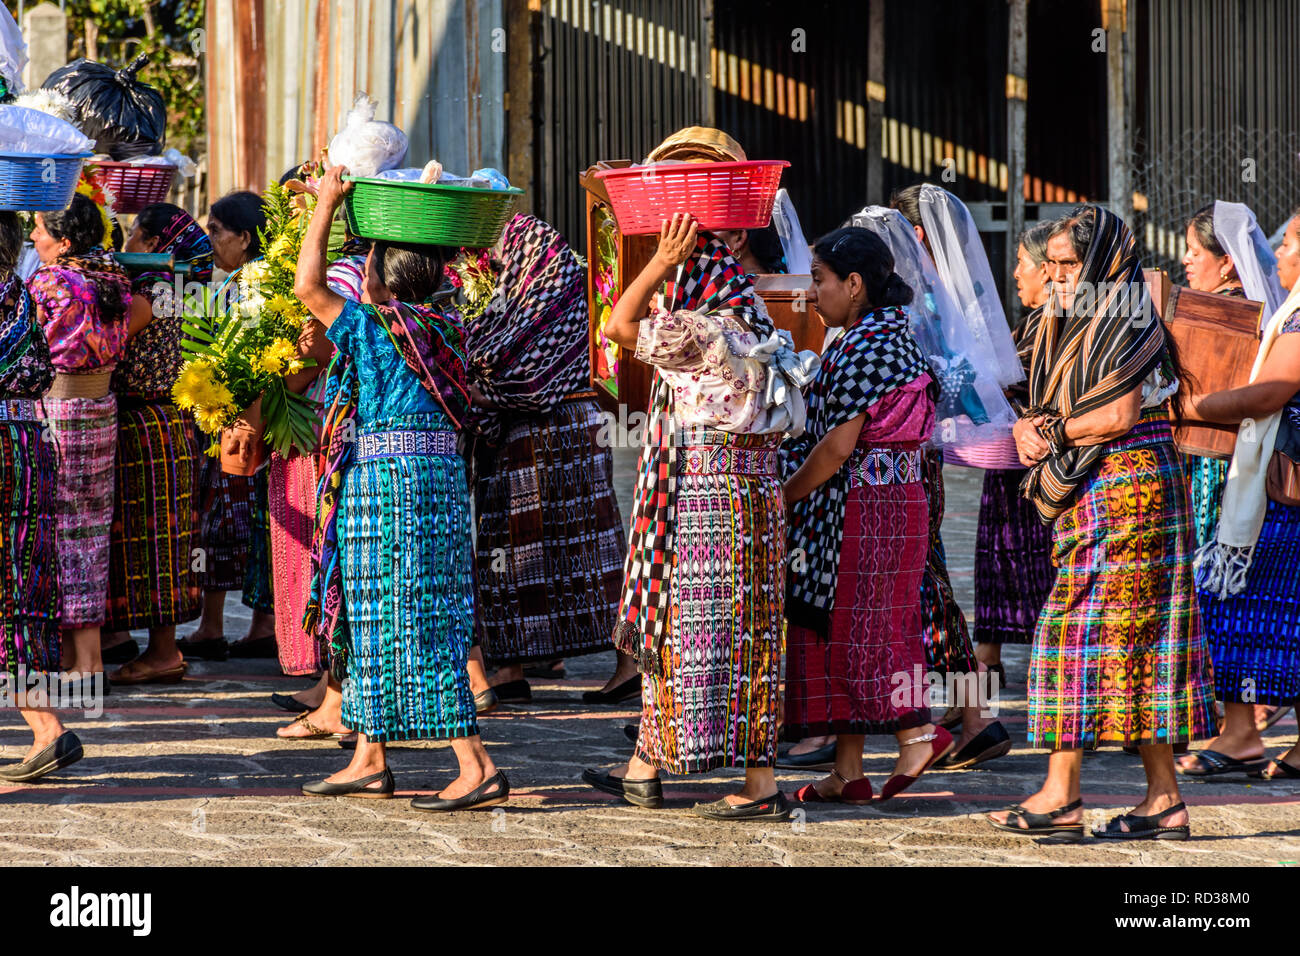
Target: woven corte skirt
292, 499
1013, 562
551, 542
944, 634
151, 578
85, 432
406, 551
1255, 636
29, 555
1206, 478
1119, 655
716, 703
258, 594
225, 526
849, 682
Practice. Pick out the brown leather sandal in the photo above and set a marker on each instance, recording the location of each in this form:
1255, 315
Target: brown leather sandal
136, 673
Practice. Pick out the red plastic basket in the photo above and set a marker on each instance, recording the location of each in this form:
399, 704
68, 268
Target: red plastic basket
719, 195
134, 187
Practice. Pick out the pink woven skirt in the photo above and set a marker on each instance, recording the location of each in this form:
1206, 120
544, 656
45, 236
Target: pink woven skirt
292, 485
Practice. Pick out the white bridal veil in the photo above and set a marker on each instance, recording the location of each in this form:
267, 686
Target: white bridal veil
964, 268
972, 409
1239, 234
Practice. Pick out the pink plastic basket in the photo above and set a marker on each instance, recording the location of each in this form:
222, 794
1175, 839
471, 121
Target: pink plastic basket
994, 454
134, 187
719, 195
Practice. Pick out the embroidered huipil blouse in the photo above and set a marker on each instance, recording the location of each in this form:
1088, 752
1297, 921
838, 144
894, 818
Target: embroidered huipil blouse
69, 311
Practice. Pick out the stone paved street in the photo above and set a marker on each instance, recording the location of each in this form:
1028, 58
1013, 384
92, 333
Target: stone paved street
193, 774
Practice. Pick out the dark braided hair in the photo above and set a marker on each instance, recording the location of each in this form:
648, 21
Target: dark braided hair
854, 249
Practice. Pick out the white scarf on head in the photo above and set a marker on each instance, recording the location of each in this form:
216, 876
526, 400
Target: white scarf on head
1221, 564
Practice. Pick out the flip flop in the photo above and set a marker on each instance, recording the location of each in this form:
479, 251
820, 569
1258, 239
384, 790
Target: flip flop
314, 732
1277, 769
1213, 764
135, 673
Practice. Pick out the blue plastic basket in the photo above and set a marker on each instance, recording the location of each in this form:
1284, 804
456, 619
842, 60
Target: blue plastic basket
31, 182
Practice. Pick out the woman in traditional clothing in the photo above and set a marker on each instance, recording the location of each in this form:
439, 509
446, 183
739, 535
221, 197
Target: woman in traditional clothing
1248, 574
550, 547
859, 527
705, 578
292, 491
394, 547
29, 558
1227, 254
1210, 264
1013, 548
83, 298
152, 581
971, 351
234, 522
1119, 656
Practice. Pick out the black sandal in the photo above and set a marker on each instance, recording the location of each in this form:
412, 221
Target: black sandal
1144, 828
1277, 769
1041, 824
1211, 763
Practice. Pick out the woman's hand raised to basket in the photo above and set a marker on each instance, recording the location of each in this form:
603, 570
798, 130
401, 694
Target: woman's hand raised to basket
676, 240
309, 281
331, 189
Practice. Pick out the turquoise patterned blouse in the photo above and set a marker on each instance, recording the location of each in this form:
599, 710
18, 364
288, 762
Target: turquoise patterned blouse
389, 391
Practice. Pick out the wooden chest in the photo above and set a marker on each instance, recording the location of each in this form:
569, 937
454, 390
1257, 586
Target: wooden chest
613, 259
1217, 337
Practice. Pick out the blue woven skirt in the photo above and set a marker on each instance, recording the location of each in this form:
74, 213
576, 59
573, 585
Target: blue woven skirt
406, 552
1255, 636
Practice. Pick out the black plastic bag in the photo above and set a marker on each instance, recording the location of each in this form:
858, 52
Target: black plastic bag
124, 116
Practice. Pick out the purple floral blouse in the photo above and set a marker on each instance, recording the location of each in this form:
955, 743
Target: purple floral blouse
68, 309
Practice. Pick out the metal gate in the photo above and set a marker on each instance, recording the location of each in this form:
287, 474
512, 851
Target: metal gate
614, 77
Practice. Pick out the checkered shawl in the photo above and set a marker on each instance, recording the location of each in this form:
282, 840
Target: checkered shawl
873, 357
1098, 351
528, 349
716, 285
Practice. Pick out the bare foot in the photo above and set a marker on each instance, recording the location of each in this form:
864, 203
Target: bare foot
327, 723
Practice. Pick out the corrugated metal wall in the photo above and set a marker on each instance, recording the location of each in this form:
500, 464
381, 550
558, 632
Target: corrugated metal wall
944, 98
1220, 113
614, 78
283, 74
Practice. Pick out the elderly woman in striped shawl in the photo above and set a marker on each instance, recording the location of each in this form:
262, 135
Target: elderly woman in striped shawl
705, 577
550, 547
1119, 656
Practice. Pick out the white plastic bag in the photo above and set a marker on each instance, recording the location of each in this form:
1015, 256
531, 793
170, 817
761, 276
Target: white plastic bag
31, 131
364, 145
172, 157
13, 51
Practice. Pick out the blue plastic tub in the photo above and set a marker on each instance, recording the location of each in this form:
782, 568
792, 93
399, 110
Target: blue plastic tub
31, 182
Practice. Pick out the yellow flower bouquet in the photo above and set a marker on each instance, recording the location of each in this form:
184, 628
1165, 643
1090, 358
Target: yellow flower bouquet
236, 354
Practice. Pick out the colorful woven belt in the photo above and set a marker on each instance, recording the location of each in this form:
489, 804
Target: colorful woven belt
19, 410
404, 444
882, 466
726, 460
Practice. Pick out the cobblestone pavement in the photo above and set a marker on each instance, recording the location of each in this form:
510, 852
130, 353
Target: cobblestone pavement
193, 774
